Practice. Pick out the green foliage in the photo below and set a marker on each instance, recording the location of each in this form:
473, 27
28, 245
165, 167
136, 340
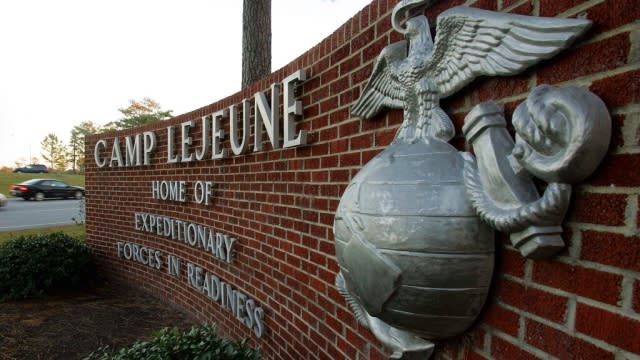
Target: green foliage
198, 343
32, 265
54, 152
139, 113
75, 151
77, 231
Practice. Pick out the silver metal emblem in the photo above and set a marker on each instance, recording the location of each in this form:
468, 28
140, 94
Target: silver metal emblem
414, 228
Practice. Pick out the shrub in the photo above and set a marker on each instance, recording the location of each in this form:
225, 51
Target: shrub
31, 265
198, 343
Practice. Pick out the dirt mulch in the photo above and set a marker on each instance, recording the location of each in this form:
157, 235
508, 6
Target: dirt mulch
70, 325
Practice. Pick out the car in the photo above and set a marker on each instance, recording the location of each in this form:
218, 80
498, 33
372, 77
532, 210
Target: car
33, 168
3, 200
39, 189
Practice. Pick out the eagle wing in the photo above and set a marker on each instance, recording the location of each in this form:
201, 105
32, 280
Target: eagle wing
384, 89
471, 42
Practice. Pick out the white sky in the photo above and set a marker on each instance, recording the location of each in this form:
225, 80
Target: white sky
66, 61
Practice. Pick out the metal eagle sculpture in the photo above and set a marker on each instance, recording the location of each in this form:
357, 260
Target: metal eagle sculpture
416, 73
412, 230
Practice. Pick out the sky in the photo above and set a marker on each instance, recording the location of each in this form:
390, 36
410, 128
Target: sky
67, 61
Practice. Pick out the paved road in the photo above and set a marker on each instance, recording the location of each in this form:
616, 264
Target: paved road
19, 214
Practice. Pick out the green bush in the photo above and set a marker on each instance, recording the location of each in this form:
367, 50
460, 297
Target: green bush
31, 265
198, 343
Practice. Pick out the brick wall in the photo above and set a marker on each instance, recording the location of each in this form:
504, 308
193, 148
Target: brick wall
280, 204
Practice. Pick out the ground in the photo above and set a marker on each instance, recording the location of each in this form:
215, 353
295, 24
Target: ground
72, 324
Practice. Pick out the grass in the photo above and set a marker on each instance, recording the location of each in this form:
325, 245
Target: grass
7, 179
73, 230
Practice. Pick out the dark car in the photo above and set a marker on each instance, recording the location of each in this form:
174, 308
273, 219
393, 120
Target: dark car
33, 168
39, 189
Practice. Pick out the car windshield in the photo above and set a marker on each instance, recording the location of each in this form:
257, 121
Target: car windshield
29, 182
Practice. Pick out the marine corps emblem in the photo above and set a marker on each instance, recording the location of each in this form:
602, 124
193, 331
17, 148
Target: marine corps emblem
414, 230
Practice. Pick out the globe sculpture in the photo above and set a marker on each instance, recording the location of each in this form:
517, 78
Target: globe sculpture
410, 244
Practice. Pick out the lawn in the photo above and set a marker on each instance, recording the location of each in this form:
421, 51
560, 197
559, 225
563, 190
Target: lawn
73, 230
6, 179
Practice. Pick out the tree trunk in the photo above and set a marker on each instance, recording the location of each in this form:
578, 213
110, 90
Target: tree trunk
256, 40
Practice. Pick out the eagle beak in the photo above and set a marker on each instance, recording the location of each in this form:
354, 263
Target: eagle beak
408, 8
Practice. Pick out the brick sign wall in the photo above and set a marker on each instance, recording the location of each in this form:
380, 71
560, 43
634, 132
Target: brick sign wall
246, 241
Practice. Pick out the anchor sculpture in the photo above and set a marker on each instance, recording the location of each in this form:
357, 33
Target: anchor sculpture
414, 229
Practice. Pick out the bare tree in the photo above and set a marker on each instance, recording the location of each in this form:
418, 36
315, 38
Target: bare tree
256, 40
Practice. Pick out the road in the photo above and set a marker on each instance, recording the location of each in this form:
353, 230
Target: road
19, 214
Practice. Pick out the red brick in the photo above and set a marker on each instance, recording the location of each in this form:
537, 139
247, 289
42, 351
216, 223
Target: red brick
470, 355
636, 296
373, 124
372, 51
360, 76
622, 170
351, 159
485, 4
361, 142
538, 302
512, 262
340, 85
368, 155
339, 116
503, 350
499, 87
552, 8
608, 89
362, 39
328, 76
611, 249
439, 7
339, 176
329, 161
602, 209
349, 96
562, 345
606, 54
339, 146
478, 337
349, 128
501, 318
523, 9
394, 117
329, 105
612, 14
617, 330
594, 284
340, 54
384, 137
507, 3
617, 126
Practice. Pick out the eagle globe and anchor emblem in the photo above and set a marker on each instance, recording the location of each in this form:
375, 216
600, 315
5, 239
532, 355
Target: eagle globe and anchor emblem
414, 230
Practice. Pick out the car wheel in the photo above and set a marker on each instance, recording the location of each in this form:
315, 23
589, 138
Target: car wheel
39, 196
18, 172
78, 195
